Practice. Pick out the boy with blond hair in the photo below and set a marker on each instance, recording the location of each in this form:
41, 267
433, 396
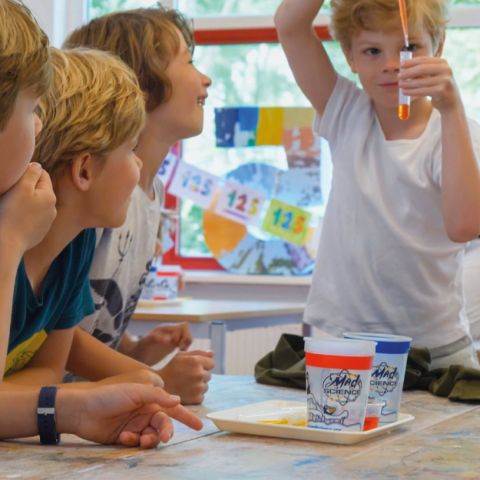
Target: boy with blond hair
27, 201
405, 194
157, 43
127, 414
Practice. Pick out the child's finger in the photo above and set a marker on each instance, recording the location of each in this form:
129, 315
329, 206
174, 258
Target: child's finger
32, 175
201, 353
128, 439
183, 415
151, 437
161, 426
44, 182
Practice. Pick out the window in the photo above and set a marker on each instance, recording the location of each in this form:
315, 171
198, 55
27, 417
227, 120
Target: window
237, 50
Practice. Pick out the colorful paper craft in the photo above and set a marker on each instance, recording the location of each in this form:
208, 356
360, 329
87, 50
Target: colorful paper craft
193, 183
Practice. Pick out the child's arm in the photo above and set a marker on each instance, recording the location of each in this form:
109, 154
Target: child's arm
47, 366
125, 414
432, 76
26, 213
306, 55
90, 358
9, 263
187, 375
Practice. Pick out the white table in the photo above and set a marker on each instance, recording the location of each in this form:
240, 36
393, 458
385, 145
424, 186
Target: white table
212, 319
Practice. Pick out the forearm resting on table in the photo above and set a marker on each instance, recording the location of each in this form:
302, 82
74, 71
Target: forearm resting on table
33, 376
91, 359
127, 344
19, 407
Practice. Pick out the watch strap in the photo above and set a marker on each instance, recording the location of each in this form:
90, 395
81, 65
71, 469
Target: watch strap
47, 428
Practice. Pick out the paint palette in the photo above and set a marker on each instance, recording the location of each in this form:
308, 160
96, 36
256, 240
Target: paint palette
280, 418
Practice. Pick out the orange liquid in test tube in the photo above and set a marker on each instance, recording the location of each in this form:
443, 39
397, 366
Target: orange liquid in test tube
403, 112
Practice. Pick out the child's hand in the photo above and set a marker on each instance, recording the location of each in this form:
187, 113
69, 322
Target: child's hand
160, 342
27, 210
188, 374
433, 77
125, 414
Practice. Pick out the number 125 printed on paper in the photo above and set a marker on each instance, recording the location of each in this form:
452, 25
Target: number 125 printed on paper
287, 221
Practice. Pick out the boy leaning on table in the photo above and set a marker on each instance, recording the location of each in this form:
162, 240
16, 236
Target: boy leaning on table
127, 414
405, 193
157, 43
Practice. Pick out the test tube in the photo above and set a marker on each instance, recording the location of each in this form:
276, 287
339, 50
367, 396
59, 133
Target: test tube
404, 100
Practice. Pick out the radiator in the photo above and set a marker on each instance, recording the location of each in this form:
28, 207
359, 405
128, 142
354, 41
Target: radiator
245, 347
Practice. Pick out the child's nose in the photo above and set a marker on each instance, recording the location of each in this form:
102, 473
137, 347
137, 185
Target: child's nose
392, 62
207, 80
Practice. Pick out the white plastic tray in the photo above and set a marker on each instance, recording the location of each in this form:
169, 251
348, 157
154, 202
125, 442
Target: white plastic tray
245, 420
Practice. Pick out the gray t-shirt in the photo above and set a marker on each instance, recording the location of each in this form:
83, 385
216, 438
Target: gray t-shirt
122, 258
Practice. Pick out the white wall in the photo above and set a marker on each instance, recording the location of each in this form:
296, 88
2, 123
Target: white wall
58, 17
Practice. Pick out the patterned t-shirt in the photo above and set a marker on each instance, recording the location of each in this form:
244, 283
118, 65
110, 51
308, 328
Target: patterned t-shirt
122, 258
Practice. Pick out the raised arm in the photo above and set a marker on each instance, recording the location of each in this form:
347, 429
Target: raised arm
432, 76
460, 178
306, 55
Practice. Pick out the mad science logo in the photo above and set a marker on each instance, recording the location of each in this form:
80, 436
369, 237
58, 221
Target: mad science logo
384, 378
342, 387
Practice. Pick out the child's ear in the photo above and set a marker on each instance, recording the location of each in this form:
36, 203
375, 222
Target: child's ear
81, 170
441, 43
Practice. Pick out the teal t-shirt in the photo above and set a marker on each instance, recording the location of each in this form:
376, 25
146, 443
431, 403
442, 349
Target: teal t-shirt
64, 300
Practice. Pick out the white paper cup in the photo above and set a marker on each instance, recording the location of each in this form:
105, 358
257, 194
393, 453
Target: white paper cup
337, 378
167, 282
388, 370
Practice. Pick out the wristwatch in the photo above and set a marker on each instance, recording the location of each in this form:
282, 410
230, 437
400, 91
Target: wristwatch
47, 429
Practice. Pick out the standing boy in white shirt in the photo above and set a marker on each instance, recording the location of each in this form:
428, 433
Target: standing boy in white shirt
405, 194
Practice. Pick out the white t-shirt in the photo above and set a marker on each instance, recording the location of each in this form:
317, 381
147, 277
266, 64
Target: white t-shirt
385, 262
122, 258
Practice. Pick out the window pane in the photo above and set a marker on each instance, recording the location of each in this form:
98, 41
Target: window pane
199, 8
461, 51
258, 75
100, 7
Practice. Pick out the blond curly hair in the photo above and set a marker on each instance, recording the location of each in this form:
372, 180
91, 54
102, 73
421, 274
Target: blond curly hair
146, 39
94, 105
24, 56
351, 16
